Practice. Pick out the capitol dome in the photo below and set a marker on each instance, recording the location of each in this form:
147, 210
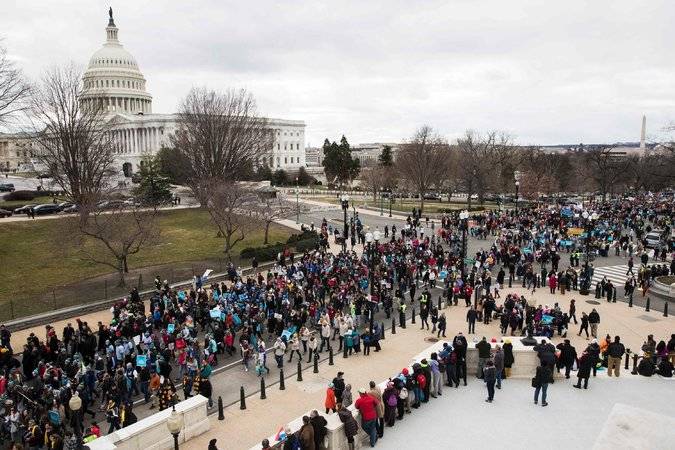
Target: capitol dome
113, 80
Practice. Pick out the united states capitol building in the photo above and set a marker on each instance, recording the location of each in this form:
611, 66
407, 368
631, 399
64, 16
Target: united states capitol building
114, 80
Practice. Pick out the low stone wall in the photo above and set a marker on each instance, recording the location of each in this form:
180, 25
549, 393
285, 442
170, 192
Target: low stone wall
151, 433
524, 366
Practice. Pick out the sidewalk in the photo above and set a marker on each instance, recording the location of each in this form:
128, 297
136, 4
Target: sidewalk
262, 418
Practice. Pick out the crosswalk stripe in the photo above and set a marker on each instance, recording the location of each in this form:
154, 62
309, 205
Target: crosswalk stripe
617, 274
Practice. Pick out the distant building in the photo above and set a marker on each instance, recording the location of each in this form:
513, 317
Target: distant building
16, 152
369, 154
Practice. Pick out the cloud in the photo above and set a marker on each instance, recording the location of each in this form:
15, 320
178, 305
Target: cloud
545, 72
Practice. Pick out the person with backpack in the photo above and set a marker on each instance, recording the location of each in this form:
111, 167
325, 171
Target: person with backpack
376, 392
391, 400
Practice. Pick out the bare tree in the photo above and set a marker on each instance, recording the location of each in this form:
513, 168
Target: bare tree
117, 233
377, 178
232, 211
221, 137
72, 138
421, 162
485, 162
604, 168
540, 170
14, 89
270, 209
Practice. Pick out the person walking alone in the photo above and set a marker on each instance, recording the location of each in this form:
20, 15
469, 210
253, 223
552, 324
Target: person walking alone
489, 377
540, 382
471, 316
584, 372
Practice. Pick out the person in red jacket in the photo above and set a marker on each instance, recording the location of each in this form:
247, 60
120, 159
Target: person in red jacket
367, 406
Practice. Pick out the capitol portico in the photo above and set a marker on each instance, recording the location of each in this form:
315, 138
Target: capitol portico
114, 82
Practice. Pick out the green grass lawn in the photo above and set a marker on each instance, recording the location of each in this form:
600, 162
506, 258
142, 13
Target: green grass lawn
38, 256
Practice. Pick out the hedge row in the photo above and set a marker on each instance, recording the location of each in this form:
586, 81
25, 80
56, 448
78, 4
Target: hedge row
270, 252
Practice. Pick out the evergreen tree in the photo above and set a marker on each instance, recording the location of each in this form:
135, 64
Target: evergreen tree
386, 158
339, 165
154, 188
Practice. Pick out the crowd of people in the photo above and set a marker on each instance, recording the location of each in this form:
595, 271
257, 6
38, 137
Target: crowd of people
310, 303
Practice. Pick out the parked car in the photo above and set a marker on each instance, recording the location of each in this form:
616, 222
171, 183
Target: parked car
432, 196
43, 175
70, 209
64, 205
25, 209
110, 204
5, 212
7, 187
47, 208
654, 239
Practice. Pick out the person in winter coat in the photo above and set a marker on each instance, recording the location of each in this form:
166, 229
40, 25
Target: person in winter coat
568, 355
498, 360
319, 424
330, 403
390, 397
306, 435
442, 324
542, 378
377, 394
351, 427
347, 395
508, 358
584, 372
489, 377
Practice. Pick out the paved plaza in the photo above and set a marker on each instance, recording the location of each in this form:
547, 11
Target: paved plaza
573, 419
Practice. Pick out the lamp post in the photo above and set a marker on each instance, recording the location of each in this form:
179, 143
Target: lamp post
75, 405
391, 195
175, 423
381, 200
344, 202
463, 217
588, 227
297, 201
516, 177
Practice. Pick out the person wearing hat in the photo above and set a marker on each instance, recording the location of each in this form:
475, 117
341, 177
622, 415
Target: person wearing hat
330, 403
508, 357
367, 405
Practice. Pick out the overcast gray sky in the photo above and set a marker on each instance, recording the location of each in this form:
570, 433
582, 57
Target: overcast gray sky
546, 72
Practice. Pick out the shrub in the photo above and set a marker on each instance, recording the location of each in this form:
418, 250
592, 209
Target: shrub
21, 195
307, 244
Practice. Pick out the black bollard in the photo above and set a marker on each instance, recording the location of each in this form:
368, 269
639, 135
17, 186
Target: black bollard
344, 350
439, 303
413, 316
665, 308
382, 331
614, 296
523, 280
221, 414
299, 371
330, 356
510, 282
393, 326
647, 305
316, 363
242, 398
627, 359
630, 300
263, 396
635, 358
597, 290
282, 381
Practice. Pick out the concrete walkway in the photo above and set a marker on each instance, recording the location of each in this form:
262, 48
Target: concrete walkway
262, 418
